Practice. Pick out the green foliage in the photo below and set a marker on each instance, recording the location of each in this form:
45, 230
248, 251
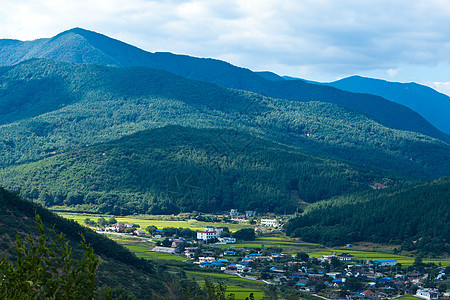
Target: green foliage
46, 269
118, 268
245, 234
173, 169
417, 217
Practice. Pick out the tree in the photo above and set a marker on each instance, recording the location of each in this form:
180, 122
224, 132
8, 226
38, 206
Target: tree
45, 268
102, 222
302, 256
246, 234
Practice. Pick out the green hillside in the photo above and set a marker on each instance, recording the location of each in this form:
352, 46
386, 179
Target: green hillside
118, 269
431, 104
417, 217
82, 46
52, 107
175, 168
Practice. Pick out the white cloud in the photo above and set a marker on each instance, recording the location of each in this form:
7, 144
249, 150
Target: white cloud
442, 87
319, 38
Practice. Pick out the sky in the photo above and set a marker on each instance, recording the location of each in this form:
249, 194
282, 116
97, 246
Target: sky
321, 40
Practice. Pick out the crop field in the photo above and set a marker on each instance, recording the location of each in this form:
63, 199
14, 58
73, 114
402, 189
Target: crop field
135, 248
240, 287
145, 222
156, 255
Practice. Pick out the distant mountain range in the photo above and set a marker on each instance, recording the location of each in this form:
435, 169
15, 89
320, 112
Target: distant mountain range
432, 105
82, 46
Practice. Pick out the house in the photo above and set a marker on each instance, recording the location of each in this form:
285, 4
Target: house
270, 223
167, 250
345, 257
139, 232
209, 233
427, 294
234, 212
189, 252
229, 252
385, 262
176, 243
208, 259
118, 227
227, 240
250, 213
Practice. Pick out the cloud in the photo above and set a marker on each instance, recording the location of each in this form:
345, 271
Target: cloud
442, 87
302, 38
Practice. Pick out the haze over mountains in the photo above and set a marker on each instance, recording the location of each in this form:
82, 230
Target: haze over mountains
92, 122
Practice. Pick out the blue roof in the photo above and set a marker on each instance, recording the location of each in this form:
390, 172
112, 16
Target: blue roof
300, 284
223, 260
384, 260
228, 251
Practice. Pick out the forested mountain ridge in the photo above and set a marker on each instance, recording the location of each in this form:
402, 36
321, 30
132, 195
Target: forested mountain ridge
51, 107
118, 268
417, 217
82, 46
174, 168
432, 105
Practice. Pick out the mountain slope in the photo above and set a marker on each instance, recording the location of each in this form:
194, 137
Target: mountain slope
82, 46
432, 105
174, 168
416, 217
118, 267
86, 104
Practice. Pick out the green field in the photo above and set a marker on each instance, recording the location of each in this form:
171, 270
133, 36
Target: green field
145, 221
136, 248
240, 287
156, 255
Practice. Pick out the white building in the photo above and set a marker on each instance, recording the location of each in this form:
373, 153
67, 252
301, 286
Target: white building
227, 240
209, 233
427, 294
270, 223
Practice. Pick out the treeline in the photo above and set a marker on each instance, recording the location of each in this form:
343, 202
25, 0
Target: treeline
417, 218
173, 169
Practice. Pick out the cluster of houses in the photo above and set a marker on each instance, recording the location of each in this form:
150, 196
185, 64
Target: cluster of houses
121, 228
376, 277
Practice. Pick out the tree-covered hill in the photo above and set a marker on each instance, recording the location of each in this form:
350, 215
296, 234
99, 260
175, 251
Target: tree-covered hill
417, 217
174, 168
432, 105
118, 268
82, 46
52, 107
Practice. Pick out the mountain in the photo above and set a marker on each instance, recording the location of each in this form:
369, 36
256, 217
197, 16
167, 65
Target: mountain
432, 105
118, 268
82, 46
417, 217
175, 168
51, 107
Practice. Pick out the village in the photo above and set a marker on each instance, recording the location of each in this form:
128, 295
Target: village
337, 274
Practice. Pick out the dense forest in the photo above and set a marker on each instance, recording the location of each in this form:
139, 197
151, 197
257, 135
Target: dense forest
119, 269
82, 46
89, 104
416, 217
174, 168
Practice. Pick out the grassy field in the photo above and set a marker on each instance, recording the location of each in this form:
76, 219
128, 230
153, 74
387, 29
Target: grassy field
240, 287
145, 222
156, 255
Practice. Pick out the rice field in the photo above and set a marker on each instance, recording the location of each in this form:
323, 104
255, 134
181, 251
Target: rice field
145, 221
